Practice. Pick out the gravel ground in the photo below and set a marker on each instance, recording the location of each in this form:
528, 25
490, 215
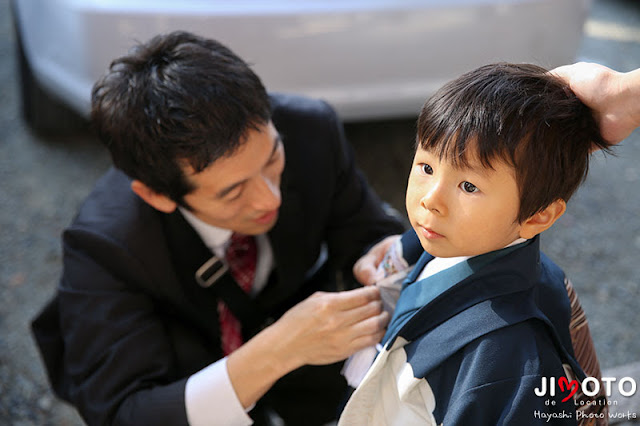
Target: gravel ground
44, 180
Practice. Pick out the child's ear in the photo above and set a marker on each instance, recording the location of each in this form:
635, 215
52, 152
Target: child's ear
543, 220
156, 200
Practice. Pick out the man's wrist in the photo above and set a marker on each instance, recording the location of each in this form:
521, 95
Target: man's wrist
209, 394
280, 349
255, 367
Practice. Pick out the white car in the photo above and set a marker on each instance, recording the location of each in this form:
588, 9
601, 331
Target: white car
368, 58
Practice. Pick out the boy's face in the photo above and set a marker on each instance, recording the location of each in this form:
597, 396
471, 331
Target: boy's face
462, 211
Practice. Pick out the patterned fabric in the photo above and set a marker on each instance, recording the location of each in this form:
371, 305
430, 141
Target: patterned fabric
586, 356
241, 257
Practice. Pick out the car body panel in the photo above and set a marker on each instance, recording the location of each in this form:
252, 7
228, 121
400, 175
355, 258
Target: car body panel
369, 59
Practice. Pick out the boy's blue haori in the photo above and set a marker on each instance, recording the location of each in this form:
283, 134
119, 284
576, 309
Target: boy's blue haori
470, 345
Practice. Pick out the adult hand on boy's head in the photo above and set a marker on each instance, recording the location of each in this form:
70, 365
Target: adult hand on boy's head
610, 94
365, 270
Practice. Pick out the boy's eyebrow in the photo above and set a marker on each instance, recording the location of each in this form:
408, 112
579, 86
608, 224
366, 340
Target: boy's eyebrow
474, 166
224, 191
477, 168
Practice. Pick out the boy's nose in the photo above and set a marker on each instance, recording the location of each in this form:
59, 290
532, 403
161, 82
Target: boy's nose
433, 200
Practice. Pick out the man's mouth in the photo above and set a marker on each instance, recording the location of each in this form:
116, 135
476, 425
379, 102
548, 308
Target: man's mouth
267, 217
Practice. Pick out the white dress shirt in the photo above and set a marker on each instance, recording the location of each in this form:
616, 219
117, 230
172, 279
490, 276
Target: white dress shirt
209, 396
438, 264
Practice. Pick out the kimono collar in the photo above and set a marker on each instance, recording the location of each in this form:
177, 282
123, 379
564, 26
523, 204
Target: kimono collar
418, 293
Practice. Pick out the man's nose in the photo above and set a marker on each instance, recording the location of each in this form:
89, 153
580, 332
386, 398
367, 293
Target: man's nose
266, 196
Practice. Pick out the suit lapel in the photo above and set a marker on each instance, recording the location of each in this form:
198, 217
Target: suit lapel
188, 253
287, 239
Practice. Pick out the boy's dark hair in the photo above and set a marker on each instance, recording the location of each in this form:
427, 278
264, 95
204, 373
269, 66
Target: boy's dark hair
520, 114
178, 99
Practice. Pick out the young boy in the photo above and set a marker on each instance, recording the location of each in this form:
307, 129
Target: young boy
480, 333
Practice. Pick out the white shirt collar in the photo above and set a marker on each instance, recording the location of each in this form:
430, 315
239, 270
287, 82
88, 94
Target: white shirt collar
438, 264
213, 237
217, 239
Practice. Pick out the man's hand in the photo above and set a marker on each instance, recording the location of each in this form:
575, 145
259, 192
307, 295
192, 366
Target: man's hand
322, 329
613, 96
366, 268
328, 327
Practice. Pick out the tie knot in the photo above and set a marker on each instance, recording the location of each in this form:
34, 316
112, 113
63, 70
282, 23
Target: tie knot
241, 256
240, 244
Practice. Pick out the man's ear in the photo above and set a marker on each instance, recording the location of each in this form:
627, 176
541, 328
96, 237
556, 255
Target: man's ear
543, 220
156, 200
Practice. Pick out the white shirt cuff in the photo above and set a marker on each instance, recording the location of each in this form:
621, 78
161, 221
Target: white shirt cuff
211, 400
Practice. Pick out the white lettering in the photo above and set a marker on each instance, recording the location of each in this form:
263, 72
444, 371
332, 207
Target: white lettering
628, 415
596, 386
624, 380
543, 385
582, 415
549, 416
607, 381
627, 386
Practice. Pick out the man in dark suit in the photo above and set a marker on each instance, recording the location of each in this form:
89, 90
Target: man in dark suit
152, 323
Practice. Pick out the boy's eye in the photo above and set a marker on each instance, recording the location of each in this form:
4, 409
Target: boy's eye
468, 187
426, 169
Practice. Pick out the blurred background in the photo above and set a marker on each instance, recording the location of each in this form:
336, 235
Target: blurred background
50, 161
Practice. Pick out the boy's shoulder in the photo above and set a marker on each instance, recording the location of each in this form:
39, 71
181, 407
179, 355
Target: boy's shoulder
496, 352
502, 336
498, 374
503, 354
522, 288
522, 274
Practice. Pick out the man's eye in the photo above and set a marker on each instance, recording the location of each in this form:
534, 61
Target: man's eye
468, 187
426, 169
233, 195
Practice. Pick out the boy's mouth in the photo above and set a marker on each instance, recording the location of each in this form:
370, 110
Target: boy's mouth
429, 233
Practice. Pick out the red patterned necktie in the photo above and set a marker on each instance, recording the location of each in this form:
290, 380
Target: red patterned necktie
241, 257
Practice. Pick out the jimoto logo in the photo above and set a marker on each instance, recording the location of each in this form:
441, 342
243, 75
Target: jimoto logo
590, 386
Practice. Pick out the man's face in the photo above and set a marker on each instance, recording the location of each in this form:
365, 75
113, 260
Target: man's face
241, 192
462, 211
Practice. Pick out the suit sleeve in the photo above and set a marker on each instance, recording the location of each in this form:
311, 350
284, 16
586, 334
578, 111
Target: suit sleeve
117, 358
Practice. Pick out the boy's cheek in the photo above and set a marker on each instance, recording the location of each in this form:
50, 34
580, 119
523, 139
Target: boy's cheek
412, 200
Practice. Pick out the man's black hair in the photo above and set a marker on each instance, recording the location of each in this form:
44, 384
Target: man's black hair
178, 100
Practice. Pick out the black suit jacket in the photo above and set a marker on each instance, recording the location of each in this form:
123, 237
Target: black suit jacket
129, 324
